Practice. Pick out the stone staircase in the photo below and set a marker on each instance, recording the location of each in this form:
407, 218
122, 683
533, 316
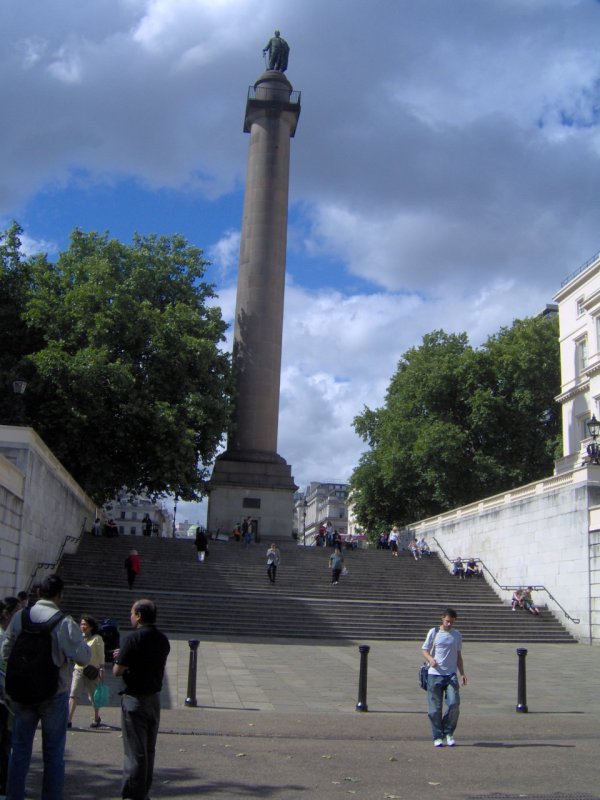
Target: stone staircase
229, 595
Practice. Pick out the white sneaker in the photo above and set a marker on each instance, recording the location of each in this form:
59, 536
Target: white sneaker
438, 742
450, 741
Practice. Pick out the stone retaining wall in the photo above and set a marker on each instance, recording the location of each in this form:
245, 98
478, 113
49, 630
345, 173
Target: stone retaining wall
543, 534
40, 506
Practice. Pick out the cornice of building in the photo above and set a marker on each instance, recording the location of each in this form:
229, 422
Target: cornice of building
592, 301
593, 368
573, 391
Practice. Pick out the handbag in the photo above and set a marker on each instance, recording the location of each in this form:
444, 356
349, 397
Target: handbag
424, 670
345, 571
91, 672
100, 696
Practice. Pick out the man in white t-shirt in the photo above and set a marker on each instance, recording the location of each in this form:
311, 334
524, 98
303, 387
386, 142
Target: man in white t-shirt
442, 649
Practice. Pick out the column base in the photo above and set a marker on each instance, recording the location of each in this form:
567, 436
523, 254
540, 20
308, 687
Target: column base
253, 484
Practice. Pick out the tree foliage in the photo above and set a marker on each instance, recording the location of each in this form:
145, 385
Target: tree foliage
460, 423
126, 382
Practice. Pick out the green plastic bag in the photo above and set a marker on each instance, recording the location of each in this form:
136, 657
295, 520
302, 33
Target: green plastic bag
101, 695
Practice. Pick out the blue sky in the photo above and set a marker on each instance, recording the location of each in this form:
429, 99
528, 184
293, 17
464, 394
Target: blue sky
445, 172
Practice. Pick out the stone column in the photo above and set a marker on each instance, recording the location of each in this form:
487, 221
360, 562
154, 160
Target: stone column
271, 120
250, 479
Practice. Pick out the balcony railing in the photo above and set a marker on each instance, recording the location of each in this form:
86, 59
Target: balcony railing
271, 93
581, 269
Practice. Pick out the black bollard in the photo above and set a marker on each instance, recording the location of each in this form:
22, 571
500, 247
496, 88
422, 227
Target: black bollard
362, 678
522, 682
190, 700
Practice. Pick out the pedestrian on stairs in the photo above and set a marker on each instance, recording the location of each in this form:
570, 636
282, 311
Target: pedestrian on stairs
393, 541
247, 532
336, 564
132, 567
201, 544
273, 560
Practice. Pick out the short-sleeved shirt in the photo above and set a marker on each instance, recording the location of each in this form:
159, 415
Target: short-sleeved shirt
337, 561
96, 645
145, 655
448, 644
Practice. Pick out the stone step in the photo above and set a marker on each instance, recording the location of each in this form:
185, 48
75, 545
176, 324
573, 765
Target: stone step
382, 597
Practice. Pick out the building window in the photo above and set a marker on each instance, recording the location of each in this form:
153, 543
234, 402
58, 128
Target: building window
134, 515
582, 354
580, 308
598, 334
132, 530
122, 515
583, 430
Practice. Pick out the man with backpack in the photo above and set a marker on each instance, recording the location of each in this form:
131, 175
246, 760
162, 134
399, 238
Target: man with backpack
37, 648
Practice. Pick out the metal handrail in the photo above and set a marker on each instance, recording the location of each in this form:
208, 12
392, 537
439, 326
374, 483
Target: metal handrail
537, 588
50, 565
579, 270
270, 93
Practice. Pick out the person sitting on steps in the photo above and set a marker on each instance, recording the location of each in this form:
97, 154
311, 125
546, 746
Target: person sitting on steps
528, 601
472, 570
517, 600
458, 569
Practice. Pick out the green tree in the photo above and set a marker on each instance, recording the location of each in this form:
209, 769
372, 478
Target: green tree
126, 382
18, 339
459, 424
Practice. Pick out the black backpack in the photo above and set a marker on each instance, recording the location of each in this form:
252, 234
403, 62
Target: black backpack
31, 674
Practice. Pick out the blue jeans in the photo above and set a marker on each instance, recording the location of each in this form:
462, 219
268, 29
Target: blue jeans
53, 714
437, 687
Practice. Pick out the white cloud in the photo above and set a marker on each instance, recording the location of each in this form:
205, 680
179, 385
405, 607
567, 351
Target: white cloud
31, 246
224, 254
340, 352
67, 64
445, 172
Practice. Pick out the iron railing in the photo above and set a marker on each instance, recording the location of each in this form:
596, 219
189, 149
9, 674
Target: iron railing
536, 588
274, 93
579, 270
43, 565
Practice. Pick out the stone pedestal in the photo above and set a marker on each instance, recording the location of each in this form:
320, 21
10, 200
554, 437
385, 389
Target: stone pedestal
260, 489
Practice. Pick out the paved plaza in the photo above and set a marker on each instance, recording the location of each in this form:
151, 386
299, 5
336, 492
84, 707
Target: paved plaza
276, 719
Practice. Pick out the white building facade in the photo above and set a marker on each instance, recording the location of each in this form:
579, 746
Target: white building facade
129, 512
579, 317
323, 504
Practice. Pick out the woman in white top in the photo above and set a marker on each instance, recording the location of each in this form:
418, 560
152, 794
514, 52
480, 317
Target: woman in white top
393, 541
89, 629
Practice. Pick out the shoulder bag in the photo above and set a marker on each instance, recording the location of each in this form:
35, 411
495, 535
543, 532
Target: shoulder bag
424, 670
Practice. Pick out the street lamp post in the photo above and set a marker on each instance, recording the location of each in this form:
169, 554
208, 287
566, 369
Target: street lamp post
175, 517
304, 505
593, 449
